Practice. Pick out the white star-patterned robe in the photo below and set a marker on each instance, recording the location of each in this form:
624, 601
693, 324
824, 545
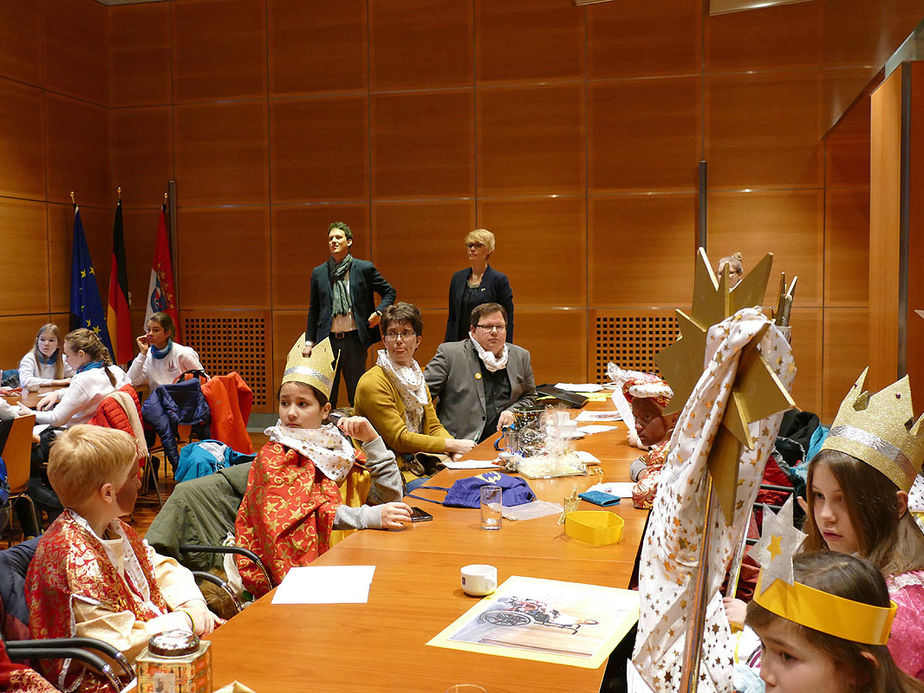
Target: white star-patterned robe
670, 549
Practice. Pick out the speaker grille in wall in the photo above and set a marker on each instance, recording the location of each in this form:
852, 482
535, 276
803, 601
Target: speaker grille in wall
233, 342
630, 338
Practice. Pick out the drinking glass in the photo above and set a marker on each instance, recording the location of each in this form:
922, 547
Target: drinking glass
492, 506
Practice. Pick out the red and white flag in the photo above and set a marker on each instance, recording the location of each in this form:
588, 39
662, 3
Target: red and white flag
161, 292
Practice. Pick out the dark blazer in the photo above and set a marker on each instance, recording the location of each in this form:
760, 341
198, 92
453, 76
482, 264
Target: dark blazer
364, 280
494, 289
454, 378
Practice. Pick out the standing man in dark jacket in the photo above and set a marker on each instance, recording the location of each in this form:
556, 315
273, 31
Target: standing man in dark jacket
342, 307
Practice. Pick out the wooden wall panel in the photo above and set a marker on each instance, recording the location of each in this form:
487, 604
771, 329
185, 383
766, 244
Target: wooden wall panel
841, 87
22, 141
787, 223
76, 58
852, 38
531, 140
847, 149
884, 204
24, 257
21, 38
914, 339
435, 231
763, 130
221, 153
538, 40
631, 150
140, 235
142, 154
17, 334
317, 46
768, 37
320, 149
541, 246
847, 247
420, 44
641, 250
139, 55
434, 321
423, 144
637, 37
77, 151
807, 340
299, 241
97, 228
557, 343
846, 353
219, 49
223, 258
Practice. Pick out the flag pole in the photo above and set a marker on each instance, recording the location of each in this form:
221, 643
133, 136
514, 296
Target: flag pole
73, 199
119, 193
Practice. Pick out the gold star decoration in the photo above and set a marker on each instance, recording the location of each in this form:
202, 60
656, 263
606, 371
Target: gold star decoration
757, 392
569, 505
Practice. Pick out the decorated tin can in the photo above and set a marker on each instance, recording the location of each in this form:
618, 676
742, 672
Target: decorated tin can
175, 662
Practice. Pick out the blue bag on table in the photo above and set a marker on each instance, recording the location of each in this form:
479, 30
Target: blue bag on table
466, 493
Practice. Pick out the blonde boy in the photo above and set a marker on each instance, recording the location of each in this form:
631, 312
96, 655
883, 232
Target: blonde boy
92, 575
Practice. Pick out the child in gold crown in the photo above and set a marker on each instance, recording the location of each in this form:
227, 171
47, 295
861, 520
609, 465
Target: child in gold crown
857, 491
826, 631
308, 482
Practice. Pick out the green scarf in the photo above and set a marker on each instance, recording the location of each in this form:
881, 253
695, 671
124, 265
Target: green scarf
338, 272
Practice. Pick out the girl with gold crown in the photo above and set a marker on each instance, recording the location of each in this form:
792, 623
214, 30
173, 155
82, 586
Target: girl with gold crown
857, 495
824, 628
308, 482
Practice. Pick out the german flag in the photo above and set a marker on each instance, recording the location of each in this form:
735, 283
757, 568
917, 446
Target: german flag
118, 318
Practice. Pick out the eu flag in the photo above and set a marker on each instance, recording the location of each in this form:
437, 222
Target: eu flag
86, 304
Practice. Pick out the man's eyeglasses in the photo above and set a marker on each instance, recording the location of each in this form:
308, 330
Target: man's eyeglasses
472, 246
406, 336
493, 328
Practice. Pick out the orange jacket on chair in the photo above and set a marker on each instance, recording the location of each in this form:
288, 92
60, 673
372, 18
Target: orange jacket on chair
230, 400
112, 413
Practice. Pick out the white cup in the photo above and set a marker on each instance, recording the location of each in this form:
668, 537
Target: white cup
479, 579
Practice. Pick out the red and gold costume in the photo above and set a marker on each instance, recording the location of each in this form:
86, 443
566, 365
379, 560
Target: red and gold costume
16, 678
287, 515
72, 580
643, 493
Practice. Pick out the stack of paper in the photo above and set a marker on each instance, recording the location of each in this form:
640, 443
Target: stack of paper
329, 584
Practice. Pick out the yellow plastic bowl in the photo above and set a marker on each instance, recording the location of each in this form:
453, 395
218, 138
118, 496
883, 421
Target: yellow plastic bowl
597, 527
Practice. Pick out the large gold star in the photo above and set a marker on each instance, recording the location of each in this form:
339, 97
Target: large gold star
756, 392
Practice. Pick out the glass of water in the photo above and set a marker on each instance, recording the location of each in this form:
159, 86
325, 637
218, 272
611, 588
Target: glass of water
492, 506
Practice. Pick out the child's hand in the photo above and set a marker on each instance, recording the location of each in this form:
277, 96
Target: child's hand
142, 343
358, 427
735, 610
204, 620
395, 515
48, 401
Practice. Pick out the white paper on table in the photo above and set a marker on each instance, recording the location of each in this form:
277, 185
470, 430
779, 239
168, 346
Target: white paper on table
579, 387
470, 464
596, 428
530, 511
623, 489
328, 584
586, 457
611, 415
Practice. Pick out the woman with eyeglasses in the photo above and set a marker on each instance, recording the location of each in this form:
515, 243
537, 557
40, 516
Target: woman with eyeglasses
394, 396
479, 283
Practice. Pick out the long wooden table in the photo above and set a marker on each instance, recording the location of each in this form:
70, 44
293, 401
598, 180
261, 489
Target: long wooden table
415, 593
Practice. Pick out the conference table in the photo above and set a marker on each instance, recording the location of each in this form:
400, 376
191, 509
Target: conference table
415, 594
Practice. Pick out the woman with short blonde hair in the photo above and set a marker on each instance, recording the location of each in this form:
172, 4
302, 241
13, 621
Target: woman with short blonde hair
478, 284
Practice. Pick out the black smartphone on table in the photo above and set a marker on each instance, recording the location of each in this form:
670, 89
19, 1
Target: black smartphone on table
420, 515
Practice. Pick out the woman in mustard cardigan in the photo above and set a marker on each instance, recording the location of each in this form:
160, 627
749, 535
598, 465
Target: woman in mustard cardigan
393, 394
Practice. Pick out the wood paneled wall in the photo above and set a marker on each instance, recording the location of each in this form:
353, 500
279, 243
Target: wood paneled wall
573, 133
54, 138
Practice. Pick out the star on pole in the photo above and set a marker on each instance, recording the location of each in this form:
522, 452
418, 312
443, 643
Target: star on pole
779, 540
756, 393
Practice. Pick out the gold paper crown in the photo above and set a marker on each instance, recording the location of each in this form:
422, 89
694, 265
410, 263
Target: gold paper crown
878, 430
316, 370
826, 612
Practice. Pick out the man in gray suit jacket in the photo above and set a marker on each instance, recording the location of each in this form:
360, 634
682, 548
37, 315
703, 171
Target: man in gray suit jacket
478, 382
